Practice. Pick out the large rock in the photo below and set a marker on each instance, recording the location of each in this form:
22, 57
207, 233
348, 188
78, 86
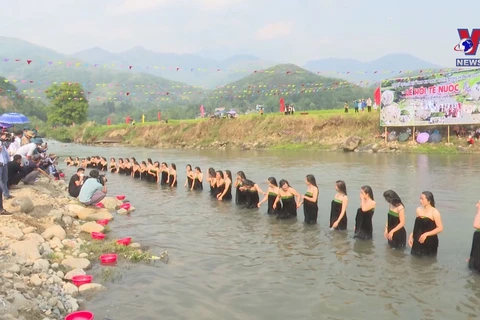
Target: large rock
73, 273
94, 214
54, 231
91, 288
73, 209
25, 204
41, 265
35, 237
111, 203
11, 232
91, 226
351, 143
76, 263
27, 249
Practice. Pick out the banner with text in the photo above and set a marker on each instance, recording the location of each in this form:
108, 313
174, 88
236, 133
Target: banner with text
440, 99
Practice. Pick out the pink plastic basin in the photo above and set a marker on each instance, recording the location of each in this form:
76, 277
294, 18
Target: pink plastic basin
82, 279
121, 197
80, 315
98, 235
99, 205
124, 241
125, 206
108, 258
103, 222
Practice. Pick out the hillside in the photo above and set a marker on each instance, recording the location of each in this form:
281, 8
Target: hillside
193, 69
386, 67
306, 90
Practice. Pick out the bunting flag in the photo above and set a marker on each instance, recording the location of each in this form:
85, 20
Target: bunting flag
197, 69
165, 96
89, 85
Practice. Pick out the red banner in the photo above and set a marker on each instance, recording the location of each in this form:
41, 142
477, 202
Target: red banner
282, 104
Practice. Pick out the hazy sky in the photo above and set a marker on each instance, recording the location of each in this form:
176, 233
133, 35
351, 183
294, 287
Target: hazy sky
284, 31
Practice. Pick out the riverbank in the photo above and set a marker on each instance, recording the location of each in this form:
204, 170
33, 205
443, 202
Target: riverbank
45, 243
318, 130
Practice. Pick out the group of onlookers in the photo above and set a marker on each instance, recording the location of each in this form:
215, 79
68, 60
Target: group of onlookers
23, 157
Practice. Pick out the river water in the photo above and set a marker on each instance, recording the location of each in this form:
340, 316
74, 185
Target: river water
230, 263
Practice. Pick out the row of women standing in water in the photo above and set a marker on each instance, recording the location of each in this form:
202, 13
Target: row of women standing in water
283, 201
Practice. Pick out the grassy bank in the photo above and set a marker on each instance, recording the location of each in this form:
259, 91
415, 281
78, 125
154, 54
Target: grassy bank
317, 130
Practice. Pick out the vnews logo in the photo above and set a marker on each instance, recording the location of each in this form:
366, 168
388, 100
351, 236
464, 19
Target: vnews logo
468, 45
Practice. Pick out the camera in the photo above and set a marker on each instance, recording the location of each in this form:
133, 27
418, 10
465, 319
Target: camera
102, 179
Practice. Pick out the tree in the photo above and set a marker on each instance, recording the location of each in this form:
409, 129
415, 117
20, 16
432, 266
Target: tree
68, 104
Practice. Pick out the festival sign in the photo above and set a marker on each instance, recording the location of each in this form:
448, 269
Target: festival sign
438, 99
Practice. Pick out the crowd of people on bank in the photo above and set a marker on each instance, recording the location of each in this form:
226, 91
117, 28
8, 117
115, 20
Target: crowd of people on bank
282, 200
23, 157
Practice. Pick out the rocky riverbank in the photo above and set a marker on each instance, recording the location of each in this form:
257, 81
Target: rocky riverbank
44, 244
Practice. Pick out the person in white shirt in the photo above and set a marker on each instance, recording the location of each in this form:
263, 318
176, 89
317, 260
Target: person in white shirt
28, 150
4, 159
15, 145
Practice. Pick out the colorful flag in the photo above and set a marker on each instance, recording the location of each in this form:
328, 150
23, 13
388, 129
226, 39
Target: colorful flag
282, 104
378, 96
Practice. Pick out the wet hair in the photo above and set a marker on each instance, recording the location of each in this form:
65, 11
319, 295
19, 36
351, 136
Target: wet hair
133, 159
273, 181
220, 173
198, 168
393, 198
174, 166
248, 183
94, 174
104, 159
368, 190
165, 164
135, 163
283, 182
229, 174
149, 161
88, 159
112, 159
127, 160
341, 186
79, 169
211, 172
157, 164
242, 175
144, 163
429, 197
188, 166
311, 179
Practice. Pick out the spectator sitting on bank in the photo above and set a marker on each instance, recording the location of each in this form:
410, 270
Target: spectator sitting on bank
470, 141
94, 189
32, 170
15, 171
76, 182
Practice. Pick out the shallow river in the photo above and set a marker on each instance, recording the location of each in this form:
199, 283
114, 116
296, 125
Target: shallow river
230, 263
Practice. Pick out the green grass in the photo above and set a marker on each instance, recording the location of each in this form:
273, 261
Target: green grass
96, 248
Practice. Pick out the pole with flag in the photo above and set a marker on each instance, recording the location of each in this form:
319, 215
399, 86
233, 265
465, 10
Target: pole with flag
377, 96
282, 105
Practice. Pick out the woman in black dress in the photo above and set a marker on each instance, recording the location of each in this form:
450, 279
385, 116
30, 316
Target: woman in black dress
394, 230
197, 179
363, 219
428, 224
113, 165
164, 173
252, 191
271, 195
190, 176
240, 196
338, 210
172, 175
225, 193
290, 201
212, 181
310, 200
474, 261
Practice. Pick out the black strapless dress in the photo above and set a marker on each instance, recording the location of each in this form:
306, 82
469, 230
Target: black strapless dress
335, 211
289, 208
399, 239
251, 199
363, 224
240, 196
430, 246
197, 185
310, 210
474, 261
271, 199
164, 178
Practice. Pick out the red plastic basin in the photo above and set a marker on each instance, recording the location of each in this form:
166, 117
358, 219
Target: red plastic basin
108, 258
80, 315
124, 241
82, 279
99, 205
103, 222
120, 197
125, 206
98, 235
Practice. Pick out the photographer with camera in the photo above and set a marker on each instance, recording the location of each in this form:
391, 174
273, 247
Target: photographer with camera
94, 189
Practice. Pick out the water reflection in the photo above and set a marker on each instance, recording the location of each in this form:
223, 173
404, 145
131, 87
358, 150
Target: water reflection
231, 263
